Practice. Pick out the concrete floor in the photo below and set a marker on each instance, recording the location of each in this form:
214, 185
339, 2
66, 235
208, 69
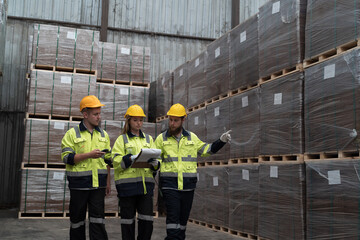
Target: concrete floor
45, 229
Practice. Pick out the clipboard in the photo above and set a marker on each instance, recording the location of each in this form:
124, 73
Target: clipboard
144, 155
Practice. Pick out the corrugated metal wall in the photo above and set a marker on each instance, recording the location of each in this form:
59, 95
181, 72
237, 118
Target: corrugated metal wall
248, 8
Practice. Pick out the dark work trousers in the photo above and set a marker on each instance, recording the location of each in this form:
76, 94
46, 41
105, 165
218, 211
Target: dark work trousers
143, 204
178, 206
80, 200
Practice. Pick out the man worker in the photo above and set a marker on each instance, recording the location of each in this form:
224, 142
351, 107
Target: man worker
178, 170
87, 155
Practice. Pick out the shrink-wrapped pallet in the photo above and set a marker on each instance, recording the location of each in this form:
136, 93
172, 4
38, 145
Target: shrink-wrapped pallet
332, 199
118, 98
217, 122
330, 24
162, 126
217, 67
244, 54
164, 88
123, 63
59, 93
332, 111
113, 128
281, 104
180, 92
44, 190
152, 102
151, 129
217, 196
281, 201
281, 35
43, 140
243, 198
65, 47
245, 124
111, 201
197, 81
3, 16
199, 203
196, 123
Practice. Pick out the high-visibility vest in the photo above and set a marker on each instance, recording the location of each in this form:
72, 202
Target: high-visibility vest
89, 173
178, 169
132, 181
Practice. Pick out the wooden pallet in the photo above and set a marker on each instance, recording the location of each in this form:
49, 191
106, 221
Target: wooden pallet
335, 155
243, 89
57, 215
213, 163
237, 161
121, 82
286, 158
42, 165
49, 116
217, 98
197, 107
331, 53
63, 69
282, 73
159, 119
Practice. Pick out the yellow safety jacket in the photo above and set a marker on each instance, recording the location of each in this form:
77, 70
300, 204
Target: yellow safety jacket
178, 169
131, 181
89, 173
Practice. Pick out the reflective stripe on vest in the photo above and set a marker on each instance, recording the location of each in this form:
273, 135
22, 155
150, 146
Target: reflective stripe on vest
134, 180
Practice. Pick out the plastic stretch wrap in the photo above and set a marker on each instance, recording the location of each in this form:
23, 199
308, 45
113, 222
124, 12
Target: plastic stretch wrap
180, 92
117, 99
281, 201
164, 87
245, 124
197, 81
162, 126
44, 190
196, 123
199, 203
113, 128
59, 93
123, 62
333, 197
244, 54
3, 10
151, 129
331, 108
217, 196
65, 47
330, 24
43, 140
217, 122
281, 115
152, 102
243, 198
217, 67
281, 35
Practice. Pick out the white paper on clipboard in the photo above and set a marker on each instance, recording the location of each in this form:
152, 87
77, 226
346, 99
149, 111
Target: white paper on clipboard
146, 154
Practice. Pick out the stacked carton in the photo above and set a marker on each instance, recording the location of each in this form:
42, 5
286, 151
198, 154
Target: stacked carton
3, 8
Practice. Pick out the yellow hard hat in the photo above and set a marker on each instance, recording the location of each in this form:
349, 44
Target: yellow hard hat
90, 101
177, 110
135, 111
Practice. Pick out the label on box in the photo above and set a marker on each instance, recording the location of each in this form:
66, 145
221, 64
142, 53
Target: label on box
59, 125
329, 71
71, 35
243, 37
245, 174
59, 175
245, 101
217, 111
334, 177
181, 72
124, 91
274, 171
215, 181
276, 7
197, 62
217, 52
196, 121
65, 80
125, 51
277, 98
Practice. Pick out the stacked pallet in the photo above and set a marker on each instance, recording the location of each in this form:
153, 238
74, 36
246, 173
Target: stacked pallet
3, 9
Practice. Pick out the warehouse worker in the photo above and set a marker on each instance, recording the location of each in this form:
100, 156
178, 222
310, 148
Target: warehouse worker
178, 175
86, 153
134, 185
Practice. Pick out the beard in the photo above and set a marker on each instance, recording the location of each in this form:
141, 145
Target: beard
176, 131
